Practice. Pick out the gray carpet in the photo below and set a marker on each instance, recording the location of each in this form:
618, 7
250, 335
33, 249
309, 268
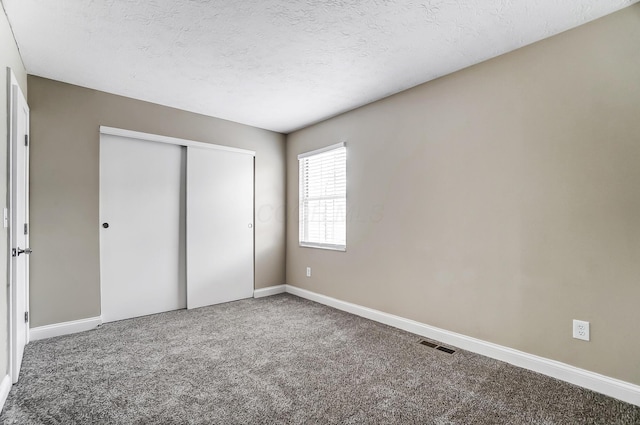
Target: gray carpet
282, 360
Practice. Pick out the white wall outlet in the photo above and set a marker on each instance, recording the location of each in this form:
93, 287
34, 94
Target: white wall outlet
308, 271
581, 330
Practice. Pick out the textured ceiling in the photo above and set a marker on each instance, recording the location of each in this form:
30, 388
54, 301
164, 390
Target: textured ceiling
276, 64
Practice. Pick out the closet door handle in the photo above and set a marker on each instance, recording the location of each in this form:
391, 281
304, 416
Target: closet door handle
250, 225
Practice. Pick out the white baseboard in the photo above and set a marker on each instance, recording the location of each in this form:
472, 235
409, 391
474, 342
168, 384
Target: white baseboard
5, 387
64, 328
612, 387
271, 290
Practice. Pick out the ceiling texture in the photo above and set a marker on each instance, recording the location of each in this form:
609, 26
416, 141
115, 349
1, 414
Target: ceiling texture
276, 64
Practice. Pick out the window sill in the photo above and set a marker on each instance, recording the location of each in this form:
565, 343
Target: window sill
341, 248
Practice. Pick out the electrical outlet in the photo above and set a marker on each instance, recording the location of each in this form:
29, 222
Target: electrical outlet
308, 271
581, 330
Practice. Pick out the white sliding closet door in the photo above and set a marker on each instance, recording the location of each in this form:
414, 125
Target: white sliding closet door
219, 226
141, 227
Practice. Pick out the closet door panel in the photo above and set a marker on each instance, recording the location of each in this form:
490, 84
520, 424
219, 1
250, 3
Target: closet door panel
219, 226
141, 217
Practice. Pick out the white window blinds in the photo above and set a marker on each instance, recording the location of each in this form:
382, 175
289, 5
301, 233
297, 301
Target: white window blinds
323, 197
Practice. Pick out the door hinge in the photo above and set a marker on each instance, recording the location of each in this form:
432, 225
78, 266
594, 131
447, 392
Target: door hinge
26, 229
26, 317
26, 140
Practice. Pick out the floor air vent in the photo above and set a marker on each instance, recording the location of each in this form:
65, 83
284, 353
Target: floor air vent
437, 347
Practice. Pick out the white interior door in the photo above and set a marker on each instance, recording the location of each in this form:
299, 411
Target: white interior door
19, 223
141, 227
219, 226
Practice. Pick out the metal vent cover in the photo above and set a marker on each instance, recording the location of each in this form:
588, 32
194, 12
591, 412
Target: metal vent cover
437, 347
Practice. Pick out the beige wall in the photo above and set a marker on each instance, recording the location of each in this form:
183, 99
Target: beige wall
500, 202
9, 57
65, 278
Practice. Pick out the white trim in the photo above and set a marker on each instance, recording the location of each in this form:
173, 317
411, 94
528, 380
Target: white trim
11, 80
170, 140
64, 328
325, 149
612, 387
271, 290
330, 247
14, 95
5, 387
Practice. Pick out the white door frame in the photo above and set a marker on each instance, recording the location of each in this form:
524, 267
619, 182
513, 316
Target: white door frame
165, 139
17, 320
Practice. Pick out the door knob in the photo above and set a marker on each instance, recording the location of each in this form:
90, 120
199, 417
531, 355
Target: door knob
105, 225
17, 251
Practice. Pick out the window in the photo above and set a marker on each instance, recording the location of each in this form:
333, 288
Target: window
323, 198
